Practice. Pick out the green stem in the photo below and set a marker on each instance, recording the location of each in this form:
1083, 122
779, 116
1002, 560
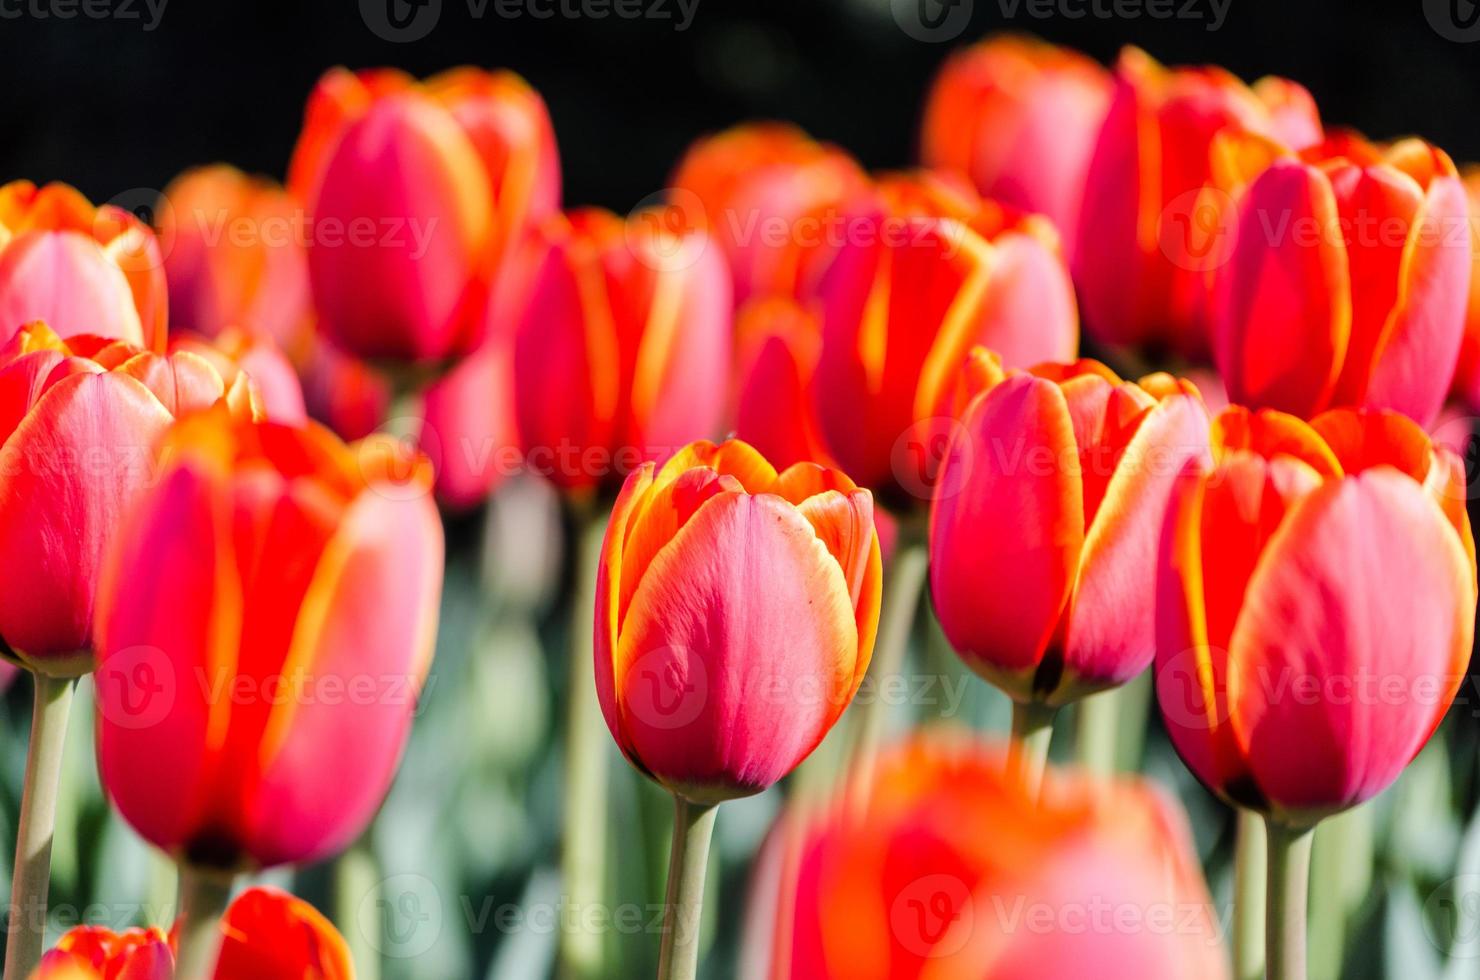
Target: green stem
683, 909
583, 853
1249, 889
1032, 730
31, 879
1095, 731
356, 875
1289, 892
204, 896
904, 580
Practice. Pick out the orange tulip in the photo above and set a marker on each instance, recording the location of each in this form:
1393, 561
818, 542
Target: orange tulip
84, 270
1020, 119
736, 612
778, 343
1159, 185
234, 256
265, 935
267, 612
954, 872
414, 191
927, 271
1316, 607
79, 420
1466, 386
622, 345
1347, 282
235, 353
772, 197
1046, 521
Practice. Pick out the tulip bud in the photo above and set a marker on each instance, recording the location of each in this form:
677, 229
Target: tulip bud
927, 271
1020, 119
268, 611
1316, 606
771, 197
622, 345
1156, 195
1347, 282
736, 612
1046, 521
414, 191
1466, 387
236, 353
79, 419
235, 257
776, 410
83, 270
912, 888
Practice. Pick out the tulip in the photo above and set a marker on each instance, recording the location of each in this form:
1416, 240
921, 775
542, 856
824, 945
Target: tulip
236, 353
1316, 605
415, 190
82, 269
1153, 223
735, 616
268, 612
621, 345
1046, 521
348, 395
469, 428
772, 197
778, 343
913, 887
1020, 119
928, 271
235, 256
1347, 283
265, 935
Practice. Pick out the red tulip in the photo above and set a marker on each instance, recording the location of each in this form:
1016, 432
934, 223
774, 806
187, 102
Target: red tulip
926, 272
234, 256
1158, 188
84, 270
1047, 517
468, 428
776, 411
954, 872
414, 191
1466, 387
1317, 601
346, 394
1347, 282
772, 198
621, 346
267, 613
265, 935
79, 419
736, 612
1020, 119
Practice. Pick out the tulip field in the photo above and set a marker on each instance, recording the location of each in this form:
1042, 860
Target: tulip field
1049, 556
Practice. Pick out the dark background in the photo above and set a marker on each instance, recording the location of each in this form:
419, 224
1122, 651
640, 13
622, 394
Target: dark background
108, 106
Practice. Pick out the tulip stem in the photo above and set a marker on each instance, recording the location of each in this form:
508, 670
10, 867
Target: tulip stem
1027, 756
904, 580
1096, 731
583, 851
204, 896
1249, 889
31, 879
683, 909
1289, 893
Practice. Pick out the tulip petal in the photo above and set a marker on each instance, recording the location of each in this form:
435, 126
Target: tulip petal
608, 605
66, 279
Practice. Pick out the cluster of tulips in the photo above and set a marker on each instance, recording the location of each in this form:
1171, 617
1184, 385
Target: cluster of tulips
1266, 523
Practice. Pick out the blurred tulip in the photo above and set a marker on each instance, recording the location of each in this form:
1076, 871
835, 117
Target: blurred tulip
954, 872
736, 612
771, 197
1160, 183
235, 256
79, 418
1466, 387
1317, 601
265, 935
346, 394
235, 352
1046, 522
622, 345
1347, 282
927, 271
414, 191
268, 612
1020, 119
469, 428
84, 270
778, 343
